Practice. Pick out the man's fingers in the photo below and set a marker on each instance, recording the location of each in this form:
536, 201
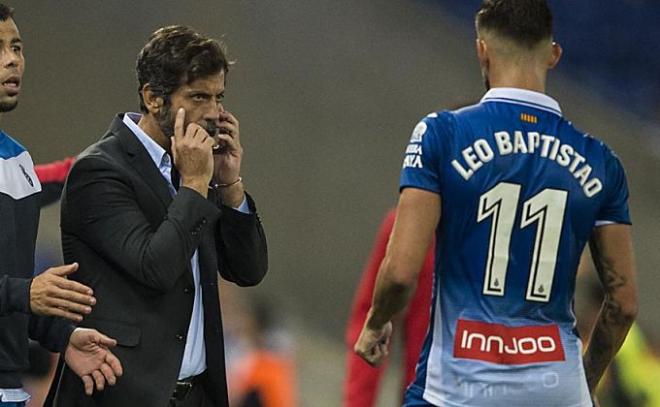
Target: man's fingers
59, 312
106, 341
228, 129
70, 285
73, 296
114, 364
196, 132
70, 306
64, 270
369, 354
109, 374
209, 142
373, 356
377, 355
99, 379
383, 350
89, 384
174, 151
386, 341
225, 140
228, 117
179, 121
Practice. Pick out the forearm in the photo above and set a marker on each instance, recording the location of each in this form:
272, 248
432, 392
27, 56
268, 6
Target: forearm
418, 214
609, 332
241, 246
611, 249
14, 295
51, 332
52, 177
391, 295
232, 195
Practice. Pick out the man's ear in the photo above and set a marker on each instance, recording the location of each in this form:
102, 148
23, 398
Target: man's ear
482, 52
152, 100
555, 55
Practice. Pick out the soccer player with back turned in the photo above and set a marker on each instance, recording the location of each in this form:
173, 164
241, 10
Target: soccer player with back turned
513, 193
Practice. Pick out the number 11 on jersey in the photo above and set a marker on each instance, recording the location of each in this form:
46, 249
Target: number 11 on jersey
546, 209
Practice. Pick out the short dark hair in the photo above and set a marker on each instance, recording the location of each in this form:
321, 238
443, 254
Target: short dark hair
177, 55
6, 12
526, 22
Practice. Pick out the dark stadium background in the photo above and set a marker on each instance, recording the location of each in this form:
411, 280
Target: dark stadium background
327, 93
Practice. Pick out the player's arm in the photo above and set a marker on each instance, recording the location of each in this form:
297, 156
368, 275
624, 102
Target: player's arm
418, 214
52, 177
612, 252
361, 382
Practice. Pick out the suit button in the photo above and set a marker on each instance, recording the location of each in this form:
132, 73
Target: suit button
187, 290
179, 338
203, 221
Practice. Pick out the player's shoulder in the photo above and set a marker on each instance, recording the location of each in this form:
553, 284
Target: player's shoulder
593, 144
9, 147
464, 112
445, 122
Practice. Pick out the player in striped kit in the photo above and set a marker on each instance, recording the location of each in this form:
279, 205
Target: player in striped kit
513, 192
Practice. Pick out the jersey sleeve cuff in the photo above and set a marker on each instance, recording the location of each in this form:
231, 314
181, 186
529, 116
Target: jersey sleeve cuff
600, 223
416, 186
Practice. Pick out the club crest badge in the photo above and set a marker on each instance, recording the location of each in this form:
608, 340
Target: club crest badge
418, 133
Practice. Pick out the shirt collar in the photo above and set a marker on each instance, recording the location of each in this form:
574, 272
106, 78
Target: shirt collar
523, 97
156, 152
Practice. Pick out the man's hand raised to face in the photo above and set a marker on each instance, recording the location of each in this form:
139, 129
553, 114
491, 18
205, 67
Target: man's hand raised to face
192, 151
52, 294
227, 156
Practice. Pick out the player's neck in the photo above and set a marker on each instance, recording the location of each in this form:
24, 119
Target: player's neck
524, 77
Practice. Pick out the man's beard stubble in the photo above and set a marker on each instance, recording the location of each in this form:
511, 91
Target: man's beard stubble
8, 106
166, 120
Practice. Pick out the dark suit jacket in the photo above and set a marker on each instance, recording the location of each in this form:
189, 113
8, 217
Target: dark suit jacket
134, 242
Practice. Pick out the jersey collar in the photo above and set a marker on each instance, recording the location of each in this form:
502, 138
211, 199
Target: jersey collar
523, 97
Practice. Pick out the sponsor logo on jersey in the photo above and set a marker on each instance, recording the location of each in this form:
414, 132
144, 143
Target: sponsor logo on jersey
413, 158
507, 345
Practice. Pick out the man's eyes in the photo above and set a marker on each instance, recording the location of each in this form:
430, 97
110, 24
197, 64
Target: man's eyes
200, 98
205, 98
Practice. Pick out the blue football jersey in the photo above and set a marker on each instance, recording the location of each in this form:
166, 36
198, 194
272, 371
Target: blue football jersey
521, 191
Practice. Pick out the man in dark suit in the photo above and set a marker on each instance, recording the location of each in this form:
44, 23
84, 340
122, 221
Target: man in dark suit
152, 212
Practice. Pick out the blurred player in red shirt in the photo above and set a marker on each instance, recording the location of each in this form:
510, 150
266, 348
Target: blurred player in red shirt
361, 382
52, 177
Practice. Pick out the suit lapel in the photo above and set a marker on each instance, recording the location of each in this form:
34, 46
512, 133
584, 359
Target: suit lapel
141, 161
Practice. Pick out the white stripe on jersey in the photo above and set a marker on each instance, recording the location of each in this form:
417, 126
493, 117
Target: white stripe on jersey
434, 363
17, 176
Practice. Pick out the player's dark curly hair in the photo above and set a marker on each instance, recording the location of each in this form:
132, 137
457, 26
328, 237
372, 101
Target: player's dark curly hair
526, 22
6, 12
177, 55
